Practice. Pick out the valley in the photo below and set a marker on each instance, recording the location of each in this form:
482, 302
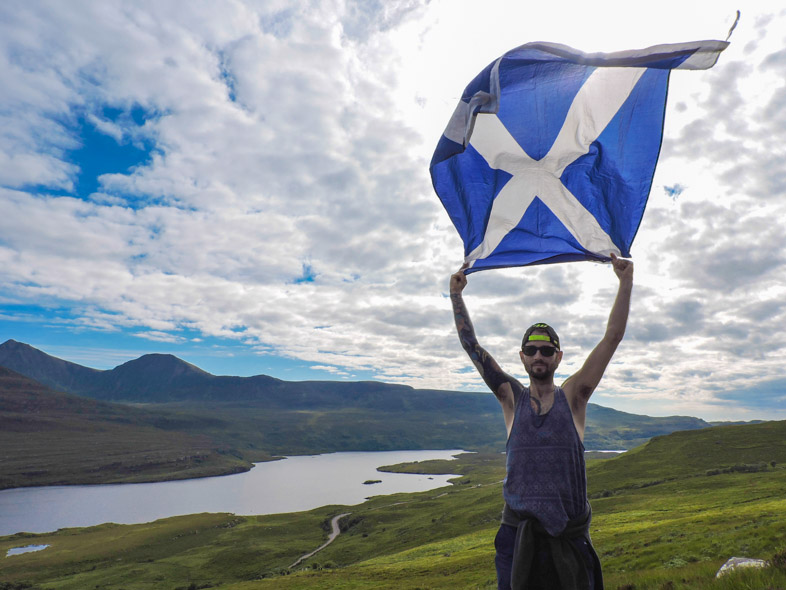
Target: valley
669, 524
684, 498
158, 417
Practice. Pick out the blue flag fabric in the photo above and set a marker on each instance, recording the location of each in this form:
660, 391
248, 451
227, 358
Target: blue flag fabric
550, 154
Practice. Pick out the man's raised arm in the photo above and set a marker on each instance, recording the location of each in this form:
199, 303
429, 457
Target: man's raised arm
497, 380
580, 386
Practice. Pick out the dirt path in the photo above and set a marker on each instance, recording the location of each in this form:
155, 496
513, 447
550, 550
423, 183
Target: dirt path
335, 533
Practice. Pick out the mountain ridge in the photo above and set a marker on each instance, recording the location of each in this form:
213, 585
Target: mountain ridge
174, 378
263, 413
142, 380
46, 369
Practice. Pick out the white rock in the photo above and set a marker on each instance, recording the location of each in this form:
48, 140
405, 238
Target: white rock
738, 562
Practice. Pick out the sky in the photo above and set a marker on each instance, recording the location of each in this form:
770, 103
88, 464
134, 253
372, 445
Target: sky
245, 185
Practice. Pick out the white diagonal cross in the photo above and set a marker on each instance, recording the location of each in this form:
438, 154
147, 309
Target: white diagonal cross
596, 103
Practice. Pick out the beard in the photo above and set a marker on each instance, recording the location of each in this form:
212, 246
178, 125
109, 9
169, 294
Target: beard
540, 372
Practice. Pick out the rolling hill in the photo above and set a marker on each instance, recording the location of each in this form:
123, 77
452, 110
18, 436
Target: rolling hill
254, 417
49, 438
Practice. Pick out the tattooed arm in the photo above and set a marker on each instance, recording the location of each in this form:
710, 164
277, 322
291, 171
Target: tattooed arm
505, 387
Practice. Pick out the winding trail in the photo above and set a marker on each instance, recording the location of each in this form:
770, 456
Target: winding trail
335, 533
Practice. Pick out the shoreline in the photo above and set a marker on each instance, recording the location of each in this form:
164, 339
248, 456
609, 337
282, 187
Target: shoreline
89, 479
40, 509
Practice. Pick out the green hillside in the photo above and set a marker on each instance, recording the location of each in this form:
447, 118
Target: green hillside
438, 423
261, 414
49, 438
248, 426
104, 442
703, 453
614, 430
671, 535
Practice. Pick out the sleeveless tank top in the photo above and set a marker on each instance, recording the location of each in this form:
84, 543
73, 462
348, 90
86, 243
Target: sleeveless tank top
546, 476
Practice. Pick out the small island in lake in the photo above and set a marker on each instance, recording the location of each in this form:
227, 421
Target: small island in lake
368, 482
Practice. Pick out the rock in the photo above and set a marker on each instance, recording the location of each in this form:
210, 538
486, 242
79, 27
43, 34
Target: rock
738, 562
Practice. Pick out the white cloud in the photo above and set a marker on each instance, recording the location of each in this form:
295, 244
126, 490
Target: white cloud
287, 135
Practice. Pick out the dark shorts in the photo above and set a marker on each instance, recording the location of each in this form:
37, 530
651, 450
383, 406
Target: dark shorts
543, 574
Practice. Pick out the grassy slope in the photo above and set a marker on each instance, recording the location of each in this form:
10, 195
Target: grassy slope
250, 427
690, 453
144, 442
612, 429
677, 531
49, 438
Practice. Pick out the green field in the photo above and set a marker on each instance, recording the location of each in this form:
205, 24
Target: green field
666, 516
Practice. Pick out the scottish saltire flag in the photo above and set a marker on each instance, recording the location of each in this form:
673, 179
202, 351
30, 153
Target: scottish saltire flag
550, 154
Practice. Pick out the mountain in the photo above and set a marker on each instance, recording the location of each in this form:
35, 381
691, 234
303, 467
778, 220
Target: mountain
48, 370
265, 414
161, 378
49, 438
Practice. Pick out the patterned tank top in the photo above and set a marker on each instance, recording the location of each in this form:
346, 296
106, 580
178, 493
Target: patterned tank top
546, 476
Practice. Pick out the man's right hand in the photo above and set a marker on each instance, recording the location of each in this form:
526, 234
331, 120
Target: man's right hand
458, 280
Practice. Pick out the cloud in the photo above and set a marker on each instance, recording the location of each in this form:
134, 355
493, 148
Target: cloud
768, 395
161, 337
280, 197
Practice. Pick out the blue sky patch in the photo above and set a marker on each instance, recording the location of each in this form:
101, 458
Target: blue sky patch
227, 77
673, 191
103, 154
308, 275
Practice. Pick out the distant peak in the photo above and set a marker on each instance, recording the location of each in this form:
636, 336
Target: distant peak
13, 346
161, 356
160, 362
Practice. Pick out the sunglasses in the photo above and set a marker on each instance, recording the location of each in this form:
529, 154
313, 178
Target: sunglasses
544, 350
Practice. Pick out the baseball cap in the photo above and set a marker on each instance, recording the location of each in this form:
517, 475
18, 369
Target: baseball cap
540, 327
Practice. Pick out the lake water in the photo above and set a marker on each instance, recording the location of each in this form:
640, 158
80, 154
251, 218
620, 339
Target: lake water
25, 549
293, 484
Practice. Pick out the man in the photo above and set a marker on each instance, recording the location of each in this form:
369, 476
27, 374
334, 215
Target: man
543, 541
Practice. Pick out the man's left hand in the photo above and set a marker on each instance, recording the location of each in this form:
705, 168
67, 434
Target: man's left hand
622, 268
